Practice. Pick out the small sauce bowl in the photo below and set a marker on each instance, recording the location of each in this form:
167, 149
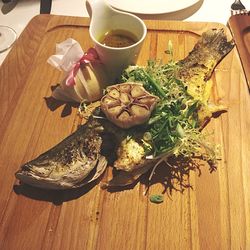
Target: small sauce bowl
105, 19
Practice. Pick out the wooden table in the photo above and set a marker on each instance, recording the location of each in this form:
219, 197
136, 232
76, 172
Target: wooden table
213, 214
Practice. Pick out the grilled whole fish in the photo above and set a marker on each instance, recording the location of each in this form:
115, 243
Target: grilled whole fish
70, 163
67, 164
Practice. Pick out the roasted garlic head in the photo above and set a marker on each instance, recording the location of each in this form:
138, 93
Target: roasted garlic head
128, 104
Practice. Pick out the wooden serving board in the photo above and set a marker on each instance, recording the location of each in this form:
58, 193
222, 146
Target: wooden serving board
213, 214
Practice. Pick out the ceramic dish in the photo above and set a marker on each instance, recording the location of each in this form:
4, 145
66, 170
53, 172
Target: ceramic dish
150, 6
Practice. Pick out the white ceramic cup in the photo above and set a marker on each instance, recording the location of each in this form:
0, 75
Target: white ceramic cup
104, 18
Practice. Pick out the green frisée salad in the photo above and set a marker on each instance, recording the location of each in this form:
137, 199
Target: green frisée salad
165, 116
174, 127
162, 109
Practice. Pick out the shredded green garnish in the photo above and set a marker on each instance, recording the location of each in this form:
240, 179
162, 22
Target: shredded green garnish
173, 127
156, 198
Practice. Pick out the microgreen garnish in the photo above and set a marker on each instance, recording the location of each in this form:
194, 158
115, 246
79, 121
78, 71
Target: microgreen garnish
173, 127
156, 198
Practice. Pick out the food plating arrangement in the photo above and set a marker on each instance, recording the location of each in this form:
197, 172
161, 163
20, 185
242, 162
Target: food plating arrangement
154, 116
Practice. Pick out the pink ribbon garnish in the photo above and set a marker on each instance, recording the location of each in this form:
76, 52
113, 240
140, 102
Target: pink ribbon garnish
90, 56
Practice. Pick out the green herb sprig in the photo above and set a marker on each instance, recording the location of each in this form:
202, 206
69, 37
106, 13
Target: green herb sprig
173, 127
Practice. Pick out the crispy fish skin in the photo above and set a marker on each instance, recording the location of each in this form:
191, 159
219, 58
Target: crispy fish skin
206, 54
67, 164
197, 68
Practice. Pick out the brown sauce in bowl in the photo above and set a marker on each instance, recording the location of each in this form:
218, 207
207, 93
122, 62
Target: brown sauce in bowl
118, 38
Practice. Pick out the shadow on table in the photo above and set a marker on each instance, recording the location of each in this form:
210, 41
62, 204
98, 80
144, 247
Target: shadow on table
57, 197
163, 175
173, 175
54, 104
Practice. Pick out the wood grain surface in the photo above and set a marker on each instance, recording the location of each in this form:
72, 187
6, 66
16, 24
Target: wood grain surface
214, 213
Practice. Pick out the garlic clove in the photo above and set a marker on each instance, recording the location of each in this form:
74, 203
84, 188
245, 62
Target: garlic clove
124, 98
110, 102
124, 116
115, 111
139, 111
114, 93
125, 88
138, 91
149, 101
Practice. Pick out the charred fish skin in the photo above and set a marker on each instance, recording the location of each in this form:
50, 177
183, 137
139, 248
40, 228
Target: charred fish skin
68, 163
196, 70
206, 54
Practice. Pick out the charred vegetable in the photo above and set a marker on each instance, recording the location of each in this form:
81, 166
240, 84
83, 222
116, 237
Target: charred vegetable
128, 104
